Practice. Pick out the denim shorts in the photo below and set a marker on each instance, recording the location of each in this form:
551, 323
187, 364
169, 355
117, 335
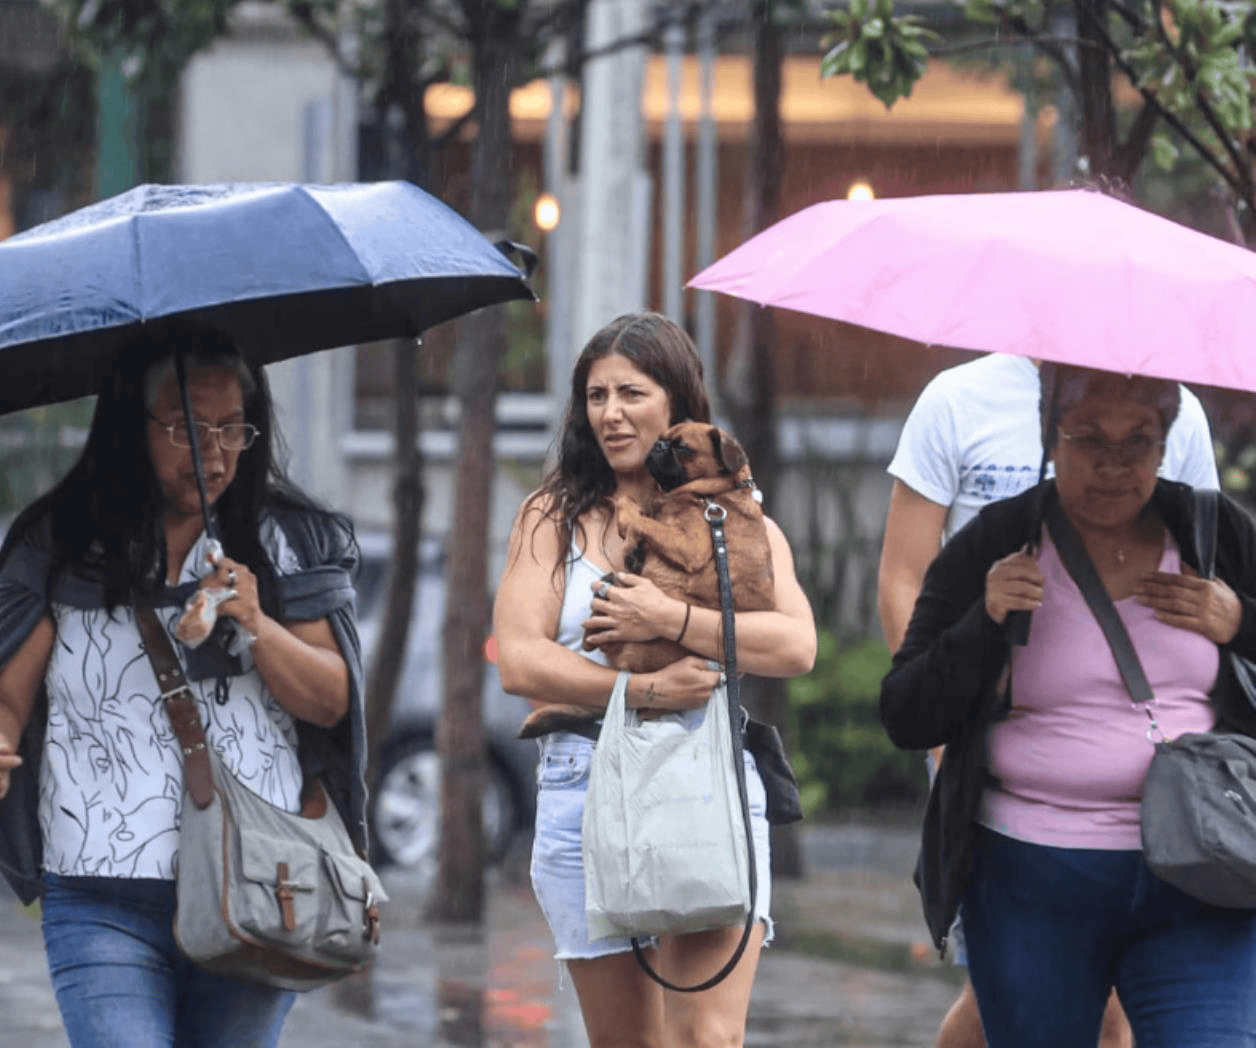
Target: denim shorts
121, 981
557, 865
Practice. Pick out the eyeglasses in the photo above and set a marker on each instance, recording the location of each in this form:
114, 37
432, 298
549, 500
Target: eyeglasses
233, 436
1134, 450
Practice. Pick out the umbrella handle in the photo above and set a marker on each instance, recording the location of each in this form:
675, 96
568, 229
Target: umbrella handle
181, 376
1016, 627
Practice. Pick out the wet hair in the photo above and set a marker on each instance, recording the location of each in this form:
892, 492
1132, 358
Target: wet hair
655, 346
105, 519
1065, 385
204, 355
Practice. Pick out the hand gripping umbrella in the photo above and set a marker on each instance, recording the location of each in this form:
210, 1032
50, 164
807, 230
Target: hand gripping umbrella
1071, 276
287, 269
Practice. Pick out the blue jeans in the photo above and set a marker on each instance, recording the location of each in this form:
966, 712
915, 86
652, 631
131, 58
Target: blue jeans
1052, 930
121, 981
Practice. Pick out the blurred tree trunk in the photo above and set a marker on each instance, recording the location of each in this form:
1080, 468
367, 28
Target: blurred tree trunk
389, 657
481, 346
751, 397
1098, 111
409, 156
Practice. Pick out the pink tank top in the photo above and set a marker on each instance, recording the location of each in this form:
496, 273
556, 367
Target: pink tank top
1071, 756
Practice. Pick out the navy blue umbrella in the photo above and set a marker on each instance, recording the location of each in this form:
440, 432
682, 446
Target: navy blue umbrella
286, 268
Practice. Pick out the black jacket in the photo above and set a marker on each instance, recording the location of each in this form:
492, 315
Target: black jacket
943, 688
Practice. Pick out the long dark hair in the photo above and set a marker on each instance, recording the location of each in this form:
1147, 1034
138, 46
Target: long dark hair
105, 518
655, 346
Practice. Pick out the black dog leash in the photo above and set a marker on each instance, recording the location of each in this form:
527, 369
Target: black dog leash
715, 514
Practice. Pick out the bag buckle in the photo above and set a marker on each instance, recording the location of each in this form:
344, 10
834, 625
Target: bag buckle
370, 916
284, 890
1154, 734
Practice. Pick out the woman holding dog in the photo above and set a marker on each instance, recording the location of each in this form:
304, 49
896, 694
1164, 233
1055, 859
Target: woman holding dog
1035, 822
636, 377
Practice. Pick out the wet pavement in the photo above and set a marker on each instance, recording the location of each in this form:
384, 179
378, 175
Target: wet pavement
850, 968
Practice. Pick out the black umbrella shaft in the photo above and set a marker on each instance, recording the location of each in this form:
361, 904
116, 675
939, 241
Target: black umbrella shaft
181, 376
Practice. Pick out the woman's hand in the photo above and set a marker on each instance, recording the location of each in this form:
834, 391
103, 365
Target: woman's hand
1205, 606
300, 662
244, 607
683, 685
633, 609
8, 761
1013, 584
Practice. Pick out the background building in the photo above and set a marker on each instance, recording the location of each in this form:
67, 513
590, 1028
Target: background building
267, 102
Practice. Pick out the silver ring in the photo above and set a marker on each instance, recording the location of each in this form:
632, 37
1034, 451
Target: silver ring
231, 576
603, 590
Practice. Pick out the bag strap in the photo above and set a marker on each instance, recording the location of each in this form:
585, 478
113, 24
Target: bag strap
715, 515
180, 705
1073, 553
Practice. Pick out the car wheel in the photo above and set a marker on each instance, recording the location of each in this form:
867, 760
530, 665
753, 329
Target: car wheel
405, 808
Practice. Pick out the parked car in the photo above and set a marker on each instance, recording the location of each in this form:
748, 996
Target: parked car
405, 806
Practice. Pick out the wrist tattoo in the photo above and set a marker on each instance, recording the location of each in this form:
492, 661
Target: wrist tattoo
649, 694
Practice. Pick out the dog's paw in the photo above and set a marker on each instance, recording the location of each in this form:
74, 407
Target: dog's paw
634, 559
548, 719
627, 513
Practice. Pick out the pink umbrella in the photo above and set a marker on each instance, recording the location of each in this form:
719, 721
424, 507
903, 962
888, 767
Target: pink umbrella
1072, 276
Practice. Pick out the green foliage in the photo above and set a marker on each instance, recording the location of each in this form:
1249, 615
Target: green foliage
37, 446
1236, 467
1192, 59
523, 367
843, 756
153, 36
47, 119
1190, 56
152, 42
886, 53
1164, 153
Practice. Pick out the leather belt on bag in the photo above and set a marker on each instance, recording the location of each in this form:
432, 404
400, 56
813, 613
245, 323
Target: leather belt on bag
176, 695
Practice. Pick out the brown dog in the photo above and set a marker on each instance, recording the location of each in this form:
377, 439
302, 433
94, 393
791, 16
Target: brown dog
670, 544
670, 541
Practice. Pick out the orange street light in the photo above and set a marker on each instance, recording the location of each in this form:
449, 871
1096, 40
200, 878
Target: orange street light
546, 213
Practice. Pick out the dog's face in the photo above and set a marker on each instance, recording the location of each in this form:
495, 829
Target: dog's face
693, 450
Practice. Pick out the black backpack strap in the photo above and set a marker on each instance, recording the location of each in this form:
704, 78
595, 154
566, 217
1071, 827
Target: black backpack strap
1073, 553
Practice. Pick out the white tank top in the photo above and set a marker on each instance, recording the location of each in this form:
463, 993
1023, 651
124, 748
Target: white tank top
577, 598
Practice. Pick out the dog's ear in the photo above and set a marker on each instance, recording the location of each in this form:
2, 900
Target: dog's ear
728, 452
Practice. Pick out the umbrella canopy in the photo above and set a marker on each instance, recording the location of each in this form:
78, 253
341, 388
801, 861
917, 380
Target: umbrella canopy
1072, 276
286, 268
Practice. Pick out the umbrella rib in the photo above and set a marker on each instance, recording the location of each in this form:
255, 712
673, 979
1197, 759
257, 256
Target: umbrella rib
340, 233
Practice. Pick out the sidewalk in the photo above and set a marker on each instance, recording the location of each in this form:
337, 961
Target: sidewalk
446, 986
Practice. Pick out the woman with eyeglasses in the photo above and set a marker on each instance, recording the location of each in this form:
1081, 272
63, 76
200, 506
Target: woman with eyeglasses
1034, 823
90, 772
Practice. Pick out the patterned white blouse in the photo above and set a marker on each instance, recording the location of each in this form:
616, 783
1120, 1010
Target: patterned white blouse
111, 778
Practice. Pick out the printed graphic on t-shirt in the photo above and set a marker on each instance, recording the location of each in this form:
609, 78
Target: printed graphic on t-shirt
992, 483
111, 779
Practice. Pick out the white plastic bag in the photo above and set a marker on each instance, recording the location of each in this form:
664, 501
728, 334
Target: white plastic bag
664, 843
